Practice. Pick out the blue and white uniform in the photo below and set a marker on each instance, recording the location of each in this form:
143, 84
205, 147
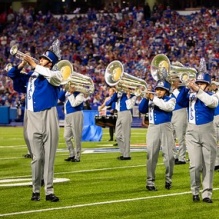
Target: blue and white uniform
159, 134
124, 104
200, 136
41, 87
179, 123
216, 126
73, 122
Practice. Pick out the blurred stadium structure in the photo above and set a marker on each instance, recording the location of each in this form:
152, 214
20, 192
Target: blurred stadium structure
82, 6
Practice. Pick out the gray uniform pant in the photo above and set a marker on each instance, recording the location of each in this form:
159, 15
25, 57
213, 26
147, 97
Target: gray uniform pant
25, 133
179, 122
123, 132
160, 136
27, 140
201, 145
216, 126
43, 134
73, 129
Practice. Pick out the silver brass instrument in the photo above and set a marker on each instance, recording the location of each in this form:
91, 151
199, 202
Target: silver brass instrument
18, 54
8, 67
124, 82
82, 83
162, 70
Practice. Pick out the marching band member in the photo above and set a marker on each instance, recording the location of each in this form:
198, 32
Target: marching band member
109, 110
214, 89
73, 120
159, 108
42, 87
200, 134
179, 123
124, 103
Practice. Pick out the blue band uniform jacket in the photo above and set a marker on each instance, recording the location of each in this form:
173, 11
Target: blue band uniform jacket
39, 85
200, 105
159, 109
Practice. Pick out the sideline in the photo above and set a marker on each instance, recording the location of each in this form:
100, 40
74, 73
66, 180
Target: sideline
95, 204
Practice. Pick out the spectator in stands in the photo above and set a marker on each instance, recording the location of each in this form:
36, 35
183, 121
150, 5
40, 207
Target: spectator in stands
111, 37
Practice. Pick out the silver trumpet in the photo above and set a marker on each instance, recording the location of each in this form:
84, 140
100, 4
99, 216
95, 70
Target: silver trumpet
18, 54
82, 83
124, 82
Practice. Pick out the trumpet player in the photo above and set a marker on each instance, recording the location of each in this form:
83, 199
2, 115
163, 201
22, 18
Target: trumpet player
200, 134
41, 86
73, 106
159, 108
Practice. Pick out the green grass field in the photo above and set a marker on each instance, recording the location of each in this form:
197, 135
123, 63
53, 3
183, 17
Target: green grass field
100, 186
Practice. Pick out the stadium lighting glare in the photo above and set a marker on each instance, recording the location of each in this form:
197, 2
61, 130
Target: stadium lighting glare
63, 0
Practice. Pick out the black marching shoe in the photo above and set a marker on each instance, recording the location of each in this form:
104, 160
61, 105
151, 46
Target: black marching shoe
52, 198
179, 162
124, 158
70, 158
27, 156
35, 196
207, 200
216, 167
76, 160
151, 188
195, 198
167, 185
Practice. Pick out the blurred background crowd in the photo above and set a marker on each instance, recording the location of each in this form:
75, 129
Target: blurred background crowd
132, 35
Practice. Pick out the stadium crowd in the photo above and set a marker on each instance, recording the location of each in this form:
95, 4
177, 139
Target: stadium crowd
132, 35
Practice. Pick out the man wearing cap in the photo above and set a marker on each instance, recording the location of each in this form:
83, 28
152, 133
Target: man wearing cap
41, 87
214, 89
159, 108
200, 134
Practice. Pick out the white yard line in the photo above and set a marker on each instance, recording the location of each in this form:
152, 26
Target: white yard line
80, 171
95, 204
